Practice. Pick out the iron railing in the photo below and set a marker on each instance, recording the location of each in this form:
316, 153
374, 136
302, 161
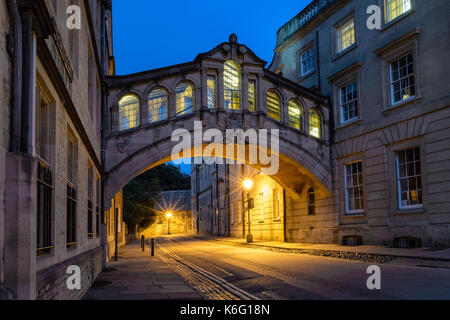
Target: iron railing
71, 232
44, 208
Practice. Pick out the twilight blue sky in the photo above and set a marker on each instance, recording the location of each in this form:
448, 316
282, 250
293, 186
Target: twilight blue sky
151, 34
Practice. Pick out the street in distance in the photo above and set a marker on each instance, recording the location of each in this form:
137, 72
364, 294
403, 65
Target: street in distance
227, 310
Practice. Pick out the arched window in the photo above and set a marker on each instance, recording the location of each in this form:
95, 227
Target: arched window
311, 201
232, 85
273, 105
185, 98
129, 112
157, 105
295, 115
315, 124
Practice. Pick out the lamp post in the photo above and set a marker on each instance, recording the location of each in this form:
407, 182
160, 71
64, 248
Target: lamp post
168, 216
248, 185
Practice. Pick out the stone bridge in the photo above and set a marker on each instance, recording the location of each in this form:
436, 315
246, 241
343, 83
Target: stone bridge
225, 88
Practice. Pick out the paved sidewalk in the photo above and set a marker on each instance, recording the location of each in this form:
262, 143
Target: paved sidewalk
434, 256
138, 276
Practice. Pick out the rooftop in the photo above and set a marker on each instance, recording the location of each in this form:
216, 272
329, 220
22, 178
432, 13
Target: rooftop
301, 19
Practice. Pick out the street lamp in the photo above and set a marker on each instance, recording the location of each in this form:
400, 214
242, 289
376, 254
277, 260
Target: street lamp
248, 185
168, 216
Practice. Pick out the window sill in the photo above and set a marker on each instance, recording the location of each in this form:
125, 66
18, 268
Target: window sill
397, 20
338, 55
412, 100
408, 211
305, 76
354, 215
350, 123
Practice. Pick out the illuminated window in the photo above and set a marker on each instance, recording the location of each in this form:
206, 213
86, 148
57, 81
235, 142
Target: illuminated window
409, 178
311, 201
129, 112
232, 85
157, 105
349, 102
354, 189
346, 35
252, 95
276, 203
402, 79
395, 8
211, 83
262, 199
273, 105
307, 62
295, 115
185, 98
315, 124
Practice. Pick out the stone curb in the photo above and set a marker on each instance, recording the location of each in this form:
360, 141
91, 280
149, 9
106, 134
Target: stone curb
348, 255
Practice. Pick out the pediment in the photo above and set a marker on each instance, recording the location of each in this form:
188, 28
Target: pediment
232, 50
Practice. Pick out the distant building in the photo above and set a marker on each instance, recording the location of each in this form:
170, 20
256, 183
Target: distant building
178, 204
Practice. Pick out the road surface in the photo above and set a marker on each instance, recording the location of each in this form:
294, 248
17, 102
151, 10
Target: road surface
221, 271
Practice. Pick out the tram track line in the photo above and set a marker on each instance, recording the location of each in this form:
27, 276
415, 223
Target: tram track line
207, 283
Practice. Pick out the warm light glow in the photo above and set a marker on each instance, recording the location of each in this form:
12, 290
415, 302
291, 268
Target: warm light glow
169, 215
248, 184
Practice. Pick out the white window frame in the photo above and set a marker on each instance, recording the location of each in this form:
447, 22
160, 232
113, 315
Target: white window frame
355, 100
339, 34
399, 187
347, 209
304, 73
387, 15
413, 75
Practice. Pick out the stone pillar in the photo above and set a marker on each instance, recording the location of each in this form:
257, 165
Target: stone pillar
144, 112
220, 97
260, 101
244, 102
172, 107
115, 122
204, 88
20, 225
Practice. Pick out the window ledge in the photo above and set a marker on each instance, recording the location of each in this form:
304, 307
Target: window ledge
350, 123
412, 100
408, 211
309, 74
397, 20
338, 55
354, 215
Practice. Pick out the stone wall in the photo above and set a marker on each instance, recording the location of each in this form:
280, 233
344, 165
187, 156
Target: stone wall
51, 283
5, 93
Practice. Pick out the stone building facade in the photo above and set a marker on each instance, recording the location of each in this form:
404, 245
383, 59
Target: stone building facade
50, 154
389, 124
391, 112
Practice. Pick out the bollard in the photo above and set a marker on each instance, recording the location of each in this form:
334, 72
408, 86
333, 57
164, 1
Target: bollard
143, 243
153, 247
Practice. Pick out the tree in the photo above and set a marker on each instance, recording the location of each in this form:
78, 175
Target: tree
140, 193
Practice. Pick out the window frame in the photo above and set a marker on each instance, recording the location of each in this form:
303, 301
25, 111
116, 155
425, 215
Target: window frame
338, 34
301, 115
137, 114
387, 20
391, 81
398, 178
309, 48
348, 211
208, 78
149, 106
232, 91
344, 122
313, 110
185, 112
280, 110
